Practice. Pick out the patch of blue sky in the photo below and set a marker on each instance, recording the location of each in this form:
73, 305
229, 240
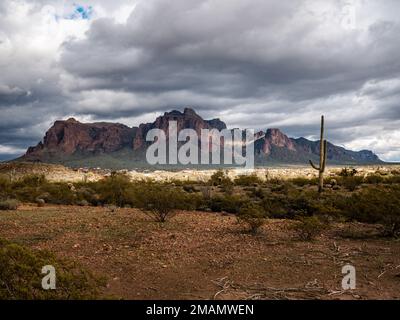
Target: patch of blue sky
80, 12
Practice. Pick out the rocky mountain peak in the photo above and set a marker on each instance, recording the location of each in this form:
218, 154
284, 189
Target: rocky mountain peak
275, 137
69, 138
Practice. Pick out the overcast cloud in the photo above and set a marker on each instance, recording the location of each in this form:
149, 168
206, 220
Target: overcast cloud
255, 64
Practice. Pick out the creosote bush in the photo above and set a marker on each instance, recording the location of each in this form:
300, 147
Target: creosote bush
161, 202
10, 204
219, 178
226, 203
307, 228
378, 205
21, 278
116, 189
247, 180
252, 216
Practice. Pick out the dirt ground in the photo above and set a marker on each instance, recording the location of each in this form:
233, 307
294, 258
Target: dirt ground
207, 256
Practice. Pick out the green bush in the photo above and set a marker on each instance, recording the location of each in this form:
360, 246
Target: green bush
85, 193
375, 206
307, 228
283, 187
116, 189
21, 278
32, 180
374, 179
10, 204
161, 202
350, 182
219, 178
301, 182
252, 216
5, 185
226, 203
58, 193
276, 206
394, 179
248, 180
348, 172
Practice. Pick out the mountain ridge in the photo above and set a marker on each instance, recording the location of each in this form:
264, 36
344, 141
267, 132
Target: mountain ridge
70, 141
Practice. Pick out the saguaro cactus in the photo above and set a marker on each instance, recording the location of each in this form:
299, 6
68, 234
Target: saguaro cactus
322, 158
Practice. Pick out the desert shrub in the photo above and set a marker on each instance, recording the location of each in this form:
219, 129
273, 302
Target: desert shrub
87, 194
32, 180
248, 180
375, 206
5, 185
228, 188
182, 183
257, 192
10, 204
300, 203
275, 206
21, 278
219, 178
283, 187
301, 182
58, 193
226, 203
394, 179
190, 188
28, 188
116, 189
25, 194
350, 182
206, 192
374, 179
252, 216
272, 181
161, 202
307, 228
348, 172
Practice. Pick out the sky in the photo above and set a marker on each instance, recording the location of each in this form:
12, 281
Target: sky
255, 64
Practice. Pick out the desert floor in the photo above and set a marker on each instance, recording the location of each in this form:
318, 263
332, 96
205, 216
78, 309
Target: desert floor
207, 256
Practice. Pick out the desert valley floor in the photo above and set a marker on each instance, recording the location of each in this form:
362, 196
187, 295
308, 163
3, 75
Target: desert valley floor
199, 255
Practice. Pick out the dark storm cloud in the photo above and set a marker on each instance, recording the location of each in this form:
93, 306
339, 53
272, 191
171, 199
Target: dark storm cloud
254, 64
254, 49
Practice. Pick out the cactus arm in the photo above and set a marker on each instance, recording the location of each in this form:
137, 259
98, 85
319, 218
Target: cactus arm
313, 165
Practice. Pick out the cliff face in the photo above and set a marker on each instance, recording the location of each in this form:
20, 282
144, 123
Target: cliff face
189, 119
70, 138
66, 138
274, 137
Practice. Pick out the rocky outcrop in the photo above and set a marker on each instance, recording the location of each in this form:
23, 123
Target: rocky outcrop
274, 137
66, 138
71, 139
189, 119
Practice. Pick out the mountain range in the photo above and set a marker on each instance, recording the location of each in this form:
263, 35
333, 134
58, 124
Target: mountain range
117, 146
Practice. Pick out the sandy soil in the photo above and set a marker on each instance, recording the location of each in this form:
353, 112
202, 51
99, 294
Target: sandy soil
207, 256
